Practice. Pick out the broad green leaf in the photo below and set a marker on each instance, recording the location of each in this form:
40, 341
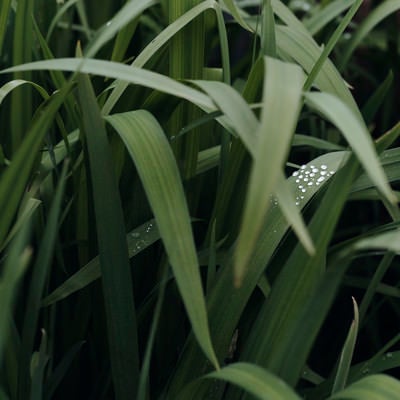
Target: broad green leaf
154, 160
374, 387
113, 252
356, 134
255, 380
281, 107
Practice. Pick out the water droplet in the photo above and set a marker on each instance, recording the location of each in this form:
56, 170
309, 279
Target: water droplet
301, 186
172, 138
323, 172
310, 183
135, 234
315, 170
295, 173
324, 167
297, 180
320, 179
305, 179
108, 23
297, 203
303, 190
303, 167
331, 172
301, 176
389, 355
301, 197
312, 175
307, 172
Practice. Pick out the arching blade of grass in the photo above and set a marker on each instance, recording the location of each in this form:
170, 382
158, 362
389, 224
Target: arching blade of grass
154, 160
40, 271
255, 380
374, 18
347, 353
356, 134
326, 14
126, 73
373, 387
113, 252
281, 106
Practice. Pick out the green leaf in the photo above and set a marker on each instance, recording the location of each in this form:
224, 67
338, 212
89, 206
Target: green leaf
281, 107
255, 380
347, 353
113, 252
154, 160
374, 387
123, 72
357, 135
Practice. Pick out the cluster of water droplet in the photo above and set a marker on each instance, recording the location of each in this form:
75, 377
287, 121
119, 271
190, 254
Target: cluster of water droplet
140, 237
309, 175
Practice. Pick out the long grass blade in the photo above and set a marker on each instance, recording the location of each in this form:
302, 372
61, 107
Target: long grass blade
154, 160
356, 134
347, 353
281, 107
113, 252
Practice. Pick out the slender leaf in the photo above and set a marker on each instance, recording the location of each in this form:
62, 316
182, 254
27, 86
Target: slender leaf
113, 252
149, 149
